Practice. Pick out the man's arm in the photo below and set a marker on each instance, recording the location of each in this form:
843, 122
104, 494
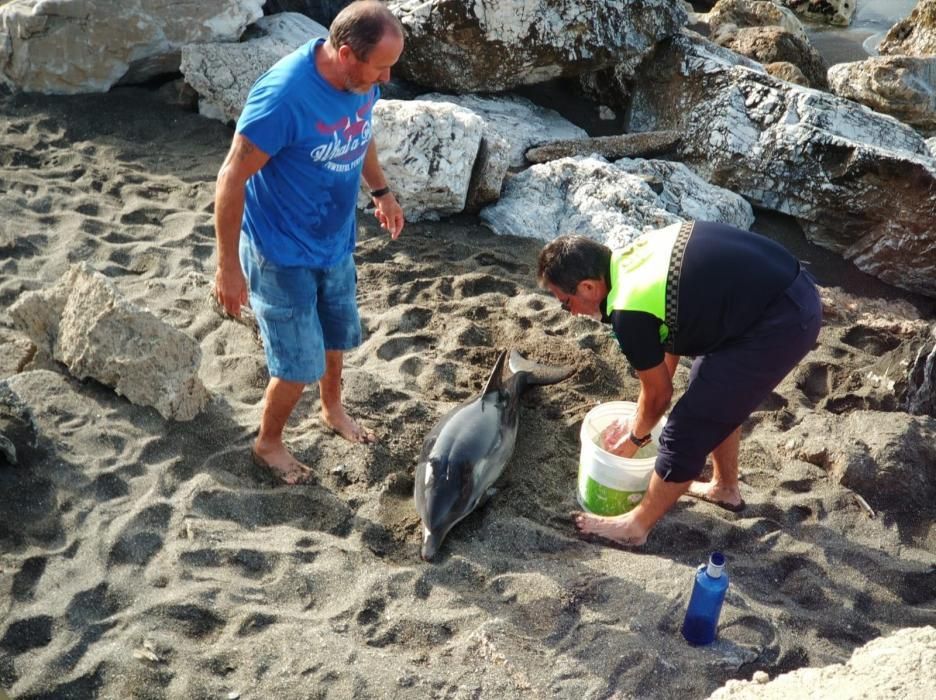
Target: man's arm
242, 161
672, 362
388, 213
656, 392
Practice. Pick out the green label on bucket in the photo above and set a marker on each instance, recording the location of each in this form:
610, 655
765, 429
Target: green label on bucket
602, 500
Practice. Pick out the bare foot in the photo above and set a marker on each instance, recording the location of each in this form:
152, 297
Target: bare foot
622, 529
284, 466
726, 497
347, 427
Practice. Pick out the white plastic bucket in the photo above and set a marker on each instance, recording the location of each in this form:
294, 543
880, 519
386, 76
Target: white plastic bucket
608, 484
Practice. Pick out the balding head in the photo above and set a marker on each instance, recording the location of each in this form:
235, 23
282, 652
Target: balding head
361, 26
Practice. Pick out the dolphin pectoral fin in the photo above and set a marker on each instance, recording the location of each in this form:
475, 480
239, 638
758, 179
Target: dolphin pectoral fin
537, 373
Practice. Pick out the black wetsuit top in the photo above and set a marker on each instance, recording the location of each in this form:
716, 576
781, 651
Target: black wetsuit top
729, 276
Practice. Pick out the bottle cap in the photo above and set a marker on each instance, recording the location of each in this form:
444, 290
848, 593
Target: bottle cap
716, 563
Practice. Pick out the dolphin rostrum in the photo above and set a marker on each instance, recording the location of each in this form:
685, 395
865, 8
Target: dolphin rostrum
467, 450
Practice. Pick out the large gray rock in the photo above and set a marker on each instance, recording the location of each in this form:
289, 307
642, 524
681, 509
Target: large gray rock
729, 15
427, 151
322, 11
899, 370
914, 35
494, 45
902, 86
773, 44
18, 434
860, 183
84, 323
887, 457
612, 203
223, 73
632, 90
920, 393
73, 46
899, 665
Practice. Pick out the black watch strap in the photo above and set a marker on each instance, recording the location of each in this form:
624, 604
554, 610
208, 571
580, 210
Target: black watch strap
640, 441
380, 193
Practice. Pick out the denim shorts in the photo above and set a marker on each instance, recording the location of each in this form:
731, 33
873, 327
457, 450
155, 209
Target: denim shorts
302, 312
728, 384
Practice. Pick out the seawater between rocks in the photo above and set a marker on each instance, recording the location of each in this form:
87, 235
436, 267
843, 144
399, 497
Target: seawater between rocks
872, 20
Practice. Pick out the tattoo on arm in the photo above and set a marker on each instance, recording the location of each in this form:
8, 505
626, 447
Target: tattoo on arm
244, 149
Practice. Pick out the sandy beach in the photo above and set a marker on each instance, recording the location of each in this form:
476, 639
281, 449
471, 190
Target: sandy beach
145, 558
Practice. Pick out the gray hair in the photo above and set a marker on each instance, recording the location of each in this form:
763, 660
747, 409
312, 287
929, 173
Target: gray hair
361, 26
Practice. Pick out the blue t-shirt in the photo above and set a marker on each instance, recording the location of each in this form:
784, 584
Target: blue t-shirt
300, 206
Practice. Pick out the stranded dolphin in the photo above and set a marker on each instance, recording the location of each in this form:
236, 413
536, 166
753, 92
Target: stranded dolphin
467, 450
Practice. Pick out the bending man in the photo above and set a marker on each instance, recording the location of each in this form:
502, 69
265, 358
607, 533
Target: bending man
738, 302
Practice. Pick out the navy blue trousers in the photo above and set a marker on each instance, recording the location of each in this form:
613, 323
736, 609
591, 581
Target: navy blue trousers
729, 383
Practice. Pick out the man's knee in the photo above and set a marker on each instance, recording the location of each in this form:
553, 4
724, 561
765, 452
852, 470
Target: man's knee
674, 470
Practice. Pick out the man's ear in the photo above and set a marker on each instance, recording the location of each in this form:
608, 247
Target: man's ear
345, 54
592, 289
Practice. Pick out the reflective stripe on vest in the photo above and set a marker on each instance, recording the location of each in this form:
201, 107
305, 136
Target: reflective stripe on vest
639, 275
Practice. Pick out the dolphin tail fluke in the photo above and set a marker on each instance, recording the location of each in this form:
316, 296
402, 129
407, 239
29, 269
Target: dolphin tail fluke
537, 373
496, 380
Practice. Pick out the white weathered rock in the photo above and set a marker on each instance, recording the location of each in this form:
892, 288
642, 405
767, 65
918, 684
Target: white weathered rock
899, 665
515, 119
685, 194
914, 35
608, 202
427, 151
931, 145
902, 86
223, 73
73, 46
84, 323
494, 45
860, 183
836, 12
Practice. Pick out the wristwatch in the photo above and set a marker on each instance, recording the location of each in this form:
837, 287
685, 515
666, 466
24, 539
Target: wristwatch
640, 441
380, 193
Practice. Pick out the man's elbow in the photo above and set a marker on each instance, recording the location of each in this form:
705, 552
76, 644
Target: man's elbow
660, 400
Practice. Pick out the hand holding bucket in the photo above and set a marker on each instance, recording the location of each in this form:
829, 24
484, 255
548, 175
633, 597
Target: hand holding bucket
615, 438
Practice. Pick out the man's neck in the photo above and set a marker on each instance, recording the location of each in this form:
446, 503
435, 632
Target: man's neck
328, 66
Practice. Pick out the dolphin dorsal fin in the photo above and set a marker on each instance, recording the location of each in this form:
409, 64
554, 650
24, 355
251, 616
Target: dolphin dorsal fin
495, 380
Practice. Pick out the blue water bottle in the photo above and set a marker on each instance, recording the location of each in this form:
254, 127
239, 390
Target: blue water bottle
708, 594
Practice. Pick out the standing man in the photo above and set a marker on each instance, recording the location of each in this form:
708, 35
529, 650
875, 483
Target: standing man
285, 216
738, 302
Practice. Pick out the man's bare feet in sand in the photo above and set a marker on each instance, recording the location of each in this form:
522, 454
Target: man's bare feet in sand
278, 460
347, 427
726, 497
623, 529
